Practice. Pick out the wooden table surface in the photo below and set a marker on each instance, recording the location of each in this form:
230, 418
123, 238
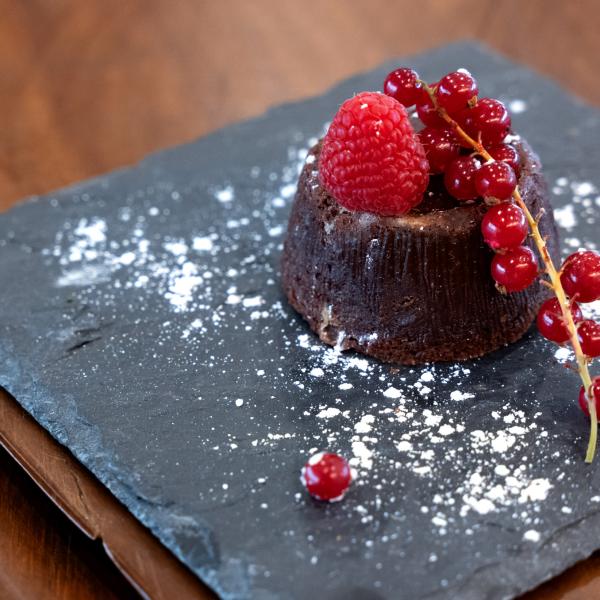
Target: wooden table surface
87, 86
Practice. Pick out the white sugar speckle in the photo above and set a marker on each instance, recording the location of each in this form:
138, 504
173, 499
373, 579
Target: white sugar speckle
517, 106
225, 194
392, 392
531, 535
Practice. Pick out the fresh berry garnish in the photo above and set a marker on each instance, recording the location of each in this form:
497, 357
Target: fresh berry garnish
456, 90
583, 400
504, 226
508, 154
580, 276
371, 159
516, 269
589, 337
488, 118
428, 114
441, 147
403, 85
495, 180
326, 476
551, 323
459, 178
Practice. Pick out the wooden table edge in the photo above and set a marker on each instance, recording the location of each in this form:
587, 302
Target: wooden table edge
149, 566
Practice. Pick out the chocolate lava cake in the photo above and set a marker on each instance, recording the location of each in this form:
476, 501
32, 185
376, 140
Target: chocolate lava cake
408, 289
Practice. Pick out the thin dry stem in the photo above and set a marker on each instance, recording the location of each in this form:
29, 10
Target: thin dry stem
550, 270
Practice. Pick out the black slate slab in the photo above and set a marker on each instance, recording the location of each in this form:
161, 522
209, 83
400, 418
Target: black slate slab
142, 323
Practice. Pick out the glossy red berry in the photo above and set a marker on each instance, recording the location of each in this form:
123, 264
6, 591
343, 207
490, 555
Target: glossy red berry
550, 321
583, 401
428, 114
441, 147
371, 159
403, 85
456, 90
326, 476
495, 180
488, 118
459, 178
508, 154
580, 276
504, 226
516, 269
589, 337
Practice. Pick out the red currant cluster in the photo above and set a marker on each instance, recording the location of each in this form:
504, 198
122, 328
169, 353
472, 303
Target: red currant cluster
464, 139
580, 279
466, 175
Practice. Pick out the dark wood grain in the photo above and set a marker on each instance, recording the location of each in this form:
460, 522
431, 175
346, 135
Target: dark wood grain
93, 85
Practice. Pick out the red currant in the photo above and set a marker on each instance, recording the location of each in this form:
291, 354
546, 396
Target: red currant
488, 118
428, 114
504, 226
589, 337
327, 476
583, 401
495, 180
507, 154
516, 269
403, 85
455, 90
580, 276
459, 178
440, 146
550, 321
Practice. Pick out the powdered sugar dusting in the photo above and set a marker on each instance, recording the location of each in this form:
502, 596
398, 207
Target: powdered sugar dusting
472, 446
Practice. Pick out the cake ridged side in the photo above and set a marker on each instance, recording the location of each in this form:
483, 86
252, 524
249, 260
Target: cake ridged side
411, 289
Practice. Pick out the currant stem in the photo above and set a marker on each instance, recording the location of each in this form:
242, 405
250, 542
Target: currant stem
551, 271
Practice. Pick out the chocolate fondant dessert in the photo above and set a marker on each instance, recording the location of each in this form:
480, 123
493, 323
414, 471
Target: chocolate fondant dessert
412, 288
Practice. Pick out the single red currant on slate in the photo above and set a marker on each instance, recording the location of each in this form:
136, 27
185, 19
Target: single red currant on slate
589, 337
583, 401
495, 180
504, 226
489, 118
508, 154
516, 269
455, 90
403, 85
326, 476
372, 159
580, 276
550, 321
441, 147
459, 178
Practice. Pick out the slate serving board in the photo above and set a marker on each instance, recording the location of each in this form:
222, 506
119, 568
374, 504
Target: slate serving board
142, 324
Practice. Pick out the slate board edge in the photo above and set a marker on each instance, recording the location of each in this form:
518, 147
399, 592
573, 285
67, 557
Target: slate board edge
124, 491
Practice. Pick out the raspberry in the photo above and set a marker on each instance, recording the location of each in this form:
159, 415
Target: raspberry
372, 159
326, 476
